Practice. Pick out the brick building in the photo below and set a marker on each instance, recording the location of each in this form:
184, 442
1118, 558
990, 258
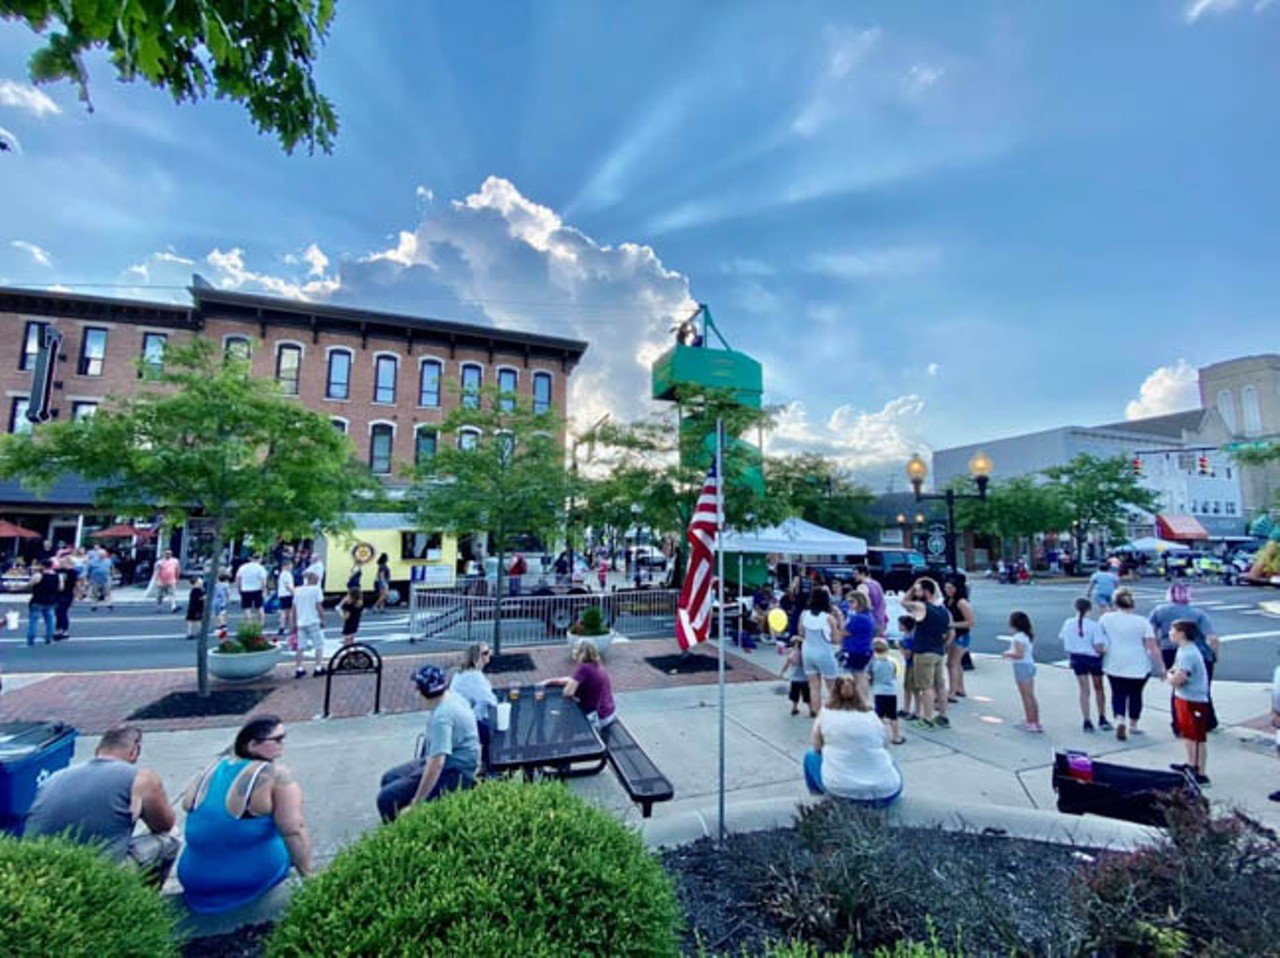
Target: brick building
386, 380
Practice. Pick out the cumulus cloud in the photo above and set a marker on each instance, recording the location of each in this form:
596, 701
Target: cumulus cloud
425, 194
872, 444
500, 258
931, 369
230, 272
228, 269
1169, 389
25, 97
1199, 8
313, 256
41, 257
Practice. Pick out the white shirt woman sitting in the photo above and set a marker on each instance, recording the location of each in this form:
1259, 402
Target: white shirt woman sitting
849, 759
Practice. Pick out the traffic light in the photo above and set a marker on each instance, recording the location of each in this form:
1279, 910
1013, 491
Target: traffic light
1137, 466
1202, 465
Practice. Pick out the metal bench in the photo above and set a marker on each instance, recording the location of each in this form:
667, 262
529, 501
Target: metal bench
641, 779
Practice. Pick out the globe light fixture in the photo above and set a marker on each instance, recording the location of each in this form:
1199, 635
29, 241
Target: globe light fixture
916, 472
980, 468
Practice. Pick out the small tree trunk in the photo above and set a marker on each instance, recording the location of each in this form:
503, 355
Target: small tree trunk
210, 583
497, 602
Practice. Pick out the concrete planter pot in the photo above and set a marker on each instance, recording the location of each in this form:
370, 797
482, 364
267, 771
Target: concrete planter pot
242, 666
601, 642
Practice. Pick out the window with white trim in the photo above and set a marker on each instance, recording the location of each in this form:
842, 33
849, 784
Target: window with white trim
93, 350
381, 440
425, 441
236, 347
338, 423
429, 382
337, 383
468, 438
1252, 411
83, 409
541, 393
384, 379
508, 380
472, 380
288, 367
31, 345
153, 346
18, 421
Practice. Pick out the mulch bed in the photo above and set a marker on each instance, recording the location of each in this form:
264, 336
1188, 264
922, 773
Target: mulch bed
686, 664
193, 705
510, 662
247, 942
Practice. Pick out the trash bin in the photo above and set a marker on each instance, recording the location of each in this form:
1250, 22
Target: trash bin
29, 753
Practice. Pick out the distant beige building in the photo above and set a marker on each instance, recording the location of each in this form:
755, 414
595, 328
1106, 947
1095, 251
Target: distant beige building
1246, 394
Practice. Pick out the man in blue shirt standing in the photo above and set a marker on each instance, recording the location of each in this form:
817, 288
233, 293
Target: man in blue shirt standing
1103, 585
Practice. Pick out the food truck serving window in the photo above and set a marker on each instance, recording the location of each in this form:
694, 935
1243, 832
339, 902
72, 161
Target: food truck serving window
421, 545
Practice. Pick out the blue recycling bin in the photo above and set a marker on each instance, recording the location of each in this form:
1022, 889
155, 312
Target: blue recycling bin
29, 753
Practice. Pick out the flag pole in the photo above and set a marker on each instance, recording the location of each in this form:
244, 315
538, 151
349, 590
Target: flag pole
720, 484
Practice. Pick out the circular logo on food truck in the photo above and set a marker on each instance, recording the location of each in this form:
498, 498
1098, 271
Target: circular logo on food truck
362, 552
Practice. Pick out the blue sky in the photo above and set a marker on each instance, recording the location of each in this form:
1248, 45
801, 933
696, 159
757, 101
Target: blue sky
932, 222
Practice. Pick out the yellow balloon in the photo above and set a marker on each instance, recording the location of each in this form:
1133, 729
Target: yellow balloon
777, 620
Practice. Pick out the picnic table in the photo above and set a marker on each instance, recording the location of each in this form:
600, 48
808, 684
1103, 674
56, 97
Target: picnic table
547, 732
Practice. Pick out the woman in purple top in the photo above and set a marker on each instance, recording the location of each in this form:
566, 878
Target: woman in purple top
589, 685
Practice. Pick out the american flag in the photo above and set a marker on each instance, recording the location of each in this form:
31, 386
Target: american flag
693, 611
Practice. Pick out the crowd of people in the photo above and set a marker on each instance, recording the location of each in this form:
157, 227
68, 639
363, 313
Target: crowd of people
838, 642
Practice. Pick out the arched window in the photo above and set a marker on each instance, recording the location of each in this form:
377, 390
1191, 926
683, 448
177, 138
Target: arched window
508, 381
541, 393
382, 437
1251, 410
1227, 409
424, 445
337, 383
288, 367
235, 347
384, 378
429, 383
472, 380
339, 424
467, 438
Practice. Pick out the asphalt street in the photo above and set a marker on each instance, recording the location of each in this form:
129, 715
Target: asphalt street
1250, 637
135, 636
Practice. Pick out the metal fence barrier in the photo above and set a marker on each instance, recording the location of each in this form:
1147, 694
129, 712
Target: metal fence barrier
451, 618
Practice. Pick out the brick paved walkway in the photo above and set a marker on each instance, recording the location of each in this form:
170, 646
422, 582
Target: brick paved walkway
93, 701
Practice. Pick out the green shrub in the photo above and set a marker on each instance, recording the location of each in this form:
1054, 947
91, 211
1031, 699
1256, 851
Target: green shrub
1212, 887
61, 899
508, 868
591, 622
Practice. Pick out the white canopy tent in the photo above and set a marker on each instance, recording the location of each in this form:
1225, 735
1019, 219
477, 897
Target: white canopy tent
793, 537
1152, 544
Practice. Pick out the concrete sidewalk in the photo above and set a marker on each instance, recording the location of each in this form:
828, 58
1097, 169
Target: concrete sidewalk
982, 773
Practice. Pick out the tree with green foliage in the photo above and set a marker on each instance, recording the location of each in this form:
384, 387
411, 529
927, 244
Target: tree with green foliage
816, 489
260, 54
1096, 493
504, 474
203, 436
1015, 509
660, 463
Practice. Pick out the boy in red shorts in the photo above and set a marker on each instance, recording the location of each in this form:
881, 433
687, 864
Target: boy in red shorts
1191, 708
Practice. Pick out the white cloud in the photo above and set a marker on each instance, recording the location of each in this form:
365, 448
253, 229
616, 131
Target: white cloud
1199, 8
313, 256
40, 256
863, 264
9, 141
1169, 389
498, 257
230, 272
26, 97
425, 194
921, 76
873, 445
846, 51
931, 369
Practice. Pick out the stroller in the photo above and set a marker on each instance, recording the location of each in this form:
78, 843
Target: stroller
1116, 791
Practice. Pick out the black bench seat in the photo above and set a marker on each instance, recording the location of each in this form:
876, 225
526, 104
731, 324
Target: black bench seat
641, 779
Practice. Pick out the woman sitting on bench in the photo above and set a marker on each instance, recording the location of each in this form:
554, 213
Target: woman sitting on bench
589, 685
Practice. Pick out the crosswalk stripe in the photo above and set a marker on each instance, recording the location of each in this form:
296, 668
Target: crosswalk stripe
1232, 608
1248, 635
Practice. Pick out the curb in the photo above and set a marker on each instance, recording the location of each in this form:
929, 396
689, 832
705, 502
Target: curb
1031, 824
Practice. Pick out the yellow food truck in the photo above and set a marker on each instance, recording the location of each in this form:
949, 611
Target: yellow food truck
414, 556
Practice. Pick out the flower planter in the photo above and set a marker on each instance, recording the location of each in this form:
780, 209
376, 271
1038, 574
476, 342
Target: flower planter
242, 666
601, 642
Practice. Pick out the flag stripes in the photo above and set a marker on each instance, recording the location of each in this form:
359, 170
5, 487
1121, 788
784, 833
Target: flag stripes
693, 610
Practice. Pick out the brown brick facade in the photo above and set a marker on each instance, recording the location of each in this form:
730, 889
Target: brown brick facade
269, 325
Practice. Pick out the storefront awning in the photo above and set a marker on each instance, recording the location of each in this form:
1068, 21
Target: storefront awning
1180, 528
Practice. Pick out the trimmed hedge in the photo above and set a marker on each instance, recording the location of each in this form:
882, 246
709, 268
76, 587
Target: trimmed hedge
504, 869
58, 898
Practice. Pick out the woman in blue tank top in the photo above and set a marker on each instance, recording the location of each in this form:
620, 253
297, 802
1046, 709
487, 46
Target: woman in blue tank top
245, 826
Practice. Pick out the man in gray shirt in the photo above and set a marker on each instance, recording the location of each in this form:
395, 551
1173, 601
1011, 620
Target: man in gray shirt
1179, 607
100, 801
452, 756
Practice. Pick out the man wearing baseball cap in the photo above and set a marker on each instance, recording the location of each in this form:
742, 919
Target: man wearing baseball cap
452, 755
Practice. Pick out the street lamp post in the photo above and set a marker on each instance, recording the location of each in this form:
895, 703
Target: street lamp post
979, 471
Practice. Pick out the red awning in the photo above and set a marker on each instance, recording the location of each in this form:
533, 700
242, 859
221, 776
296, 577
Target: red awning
10, 530
1180, 528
